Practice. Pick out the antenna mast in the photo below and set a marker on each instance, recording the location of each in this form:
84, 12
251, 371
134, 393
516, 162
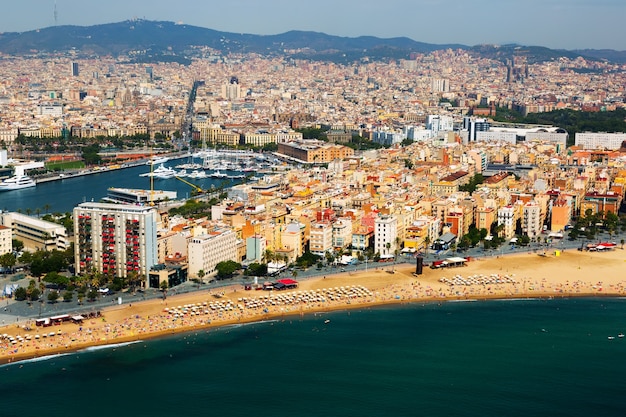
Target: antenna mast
56, 15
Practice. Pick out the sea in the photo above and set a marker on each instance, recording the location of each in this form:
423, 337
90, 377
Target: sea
63, 195
524, 357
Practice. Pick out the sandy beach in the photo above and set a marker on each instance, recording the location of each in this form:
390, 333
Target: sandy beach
573, 273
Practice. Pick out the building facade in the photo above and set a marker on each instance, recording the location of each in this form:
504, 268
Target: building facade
115, 239
385, 234
207, 250
36, 234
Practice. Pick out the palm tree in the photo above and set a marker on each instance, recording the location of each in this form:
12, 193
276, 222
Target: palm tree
46, 207
427, 243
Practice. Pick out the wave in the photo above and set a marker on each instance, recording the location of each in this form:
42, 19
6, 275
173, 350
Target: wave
38, 359
252, 323
521, 299
469, 300
111, 346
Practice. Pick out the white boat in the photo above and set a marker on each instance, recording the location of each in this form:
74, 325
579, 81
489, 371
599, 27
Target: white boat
236, 176
218, 174
17, 183
196, 174
163, 172
155, 160
182, 173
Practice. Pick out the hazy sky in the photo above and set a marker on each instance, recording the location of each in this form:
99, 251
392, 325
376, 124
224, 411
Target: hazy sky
566, 24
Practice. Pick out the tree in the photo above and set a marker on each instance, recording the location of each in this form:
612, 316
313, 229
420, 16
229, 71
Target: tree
268, 256
7, 260
256, 269
226, 269
20, 294
61, 281
622, 243
201, 274
17, 244
34, 294
53, 296
92, 295
67, 296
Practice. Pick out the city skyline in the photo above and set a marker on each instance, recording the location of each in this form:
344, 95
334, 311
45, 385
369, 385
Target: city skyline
557, 24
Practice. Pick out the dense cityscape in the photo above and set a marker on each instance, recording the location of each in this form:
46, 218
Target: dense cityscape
257, 231
376, 159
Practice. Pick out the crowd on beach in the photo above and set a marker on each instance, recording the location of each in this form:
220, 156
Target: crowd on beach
230, 306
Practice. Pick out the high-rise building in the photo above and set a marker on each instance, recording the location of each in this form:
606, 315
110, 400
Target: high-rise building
115, 239
74, 69
472, 126
385, 234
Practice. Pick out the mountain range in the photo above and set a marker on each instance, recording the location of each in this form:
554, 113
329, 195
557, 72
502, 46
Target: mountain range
145, 41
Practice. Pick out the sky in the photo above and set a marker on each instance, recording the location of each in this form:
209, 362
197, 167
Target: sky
557, 24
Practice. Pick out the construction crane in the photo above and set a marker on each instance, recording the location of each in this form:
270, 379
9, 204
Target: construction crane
196, 189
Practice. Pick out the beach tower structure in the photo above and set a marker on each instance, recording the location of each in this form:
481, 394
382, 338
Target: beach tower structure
419, 265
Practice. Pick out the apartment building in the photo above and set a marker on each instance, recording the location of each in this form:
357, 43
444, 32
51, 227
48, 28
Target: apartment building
6, 240
321, 237
115, 239
342, 233
600, 140
531, 219
385, 234
205, 251
507, 216
36, 234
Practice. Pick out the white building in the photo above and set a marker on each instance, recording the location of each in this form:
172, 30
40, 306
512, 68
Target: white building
342, 233
321, 238
385, 234
492, 136
6, 240
36, 234
507, 216
51, 109
600, 140
207, 250
437, 123
387, 137
531, 219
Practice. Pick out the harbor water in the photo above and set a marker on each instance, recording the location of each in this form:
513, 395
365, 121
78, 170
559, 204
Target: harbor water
62, 196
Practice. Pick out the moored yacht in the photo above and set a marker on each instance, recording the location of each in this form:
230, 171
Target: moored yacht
218, 174
17, 182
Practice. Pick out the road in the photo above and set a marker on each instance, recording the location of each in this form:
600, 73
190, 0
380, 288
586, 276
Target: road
12, 311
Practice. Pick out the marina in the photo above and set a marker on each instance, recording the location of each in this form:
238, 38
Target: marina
62, 192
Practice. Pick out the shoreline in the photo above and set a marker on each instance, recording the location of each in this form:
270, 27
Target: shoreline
521, 277
78, 348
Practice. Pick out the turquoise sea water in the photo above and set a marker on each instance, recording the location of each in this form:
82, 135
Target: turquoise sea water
493, 358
